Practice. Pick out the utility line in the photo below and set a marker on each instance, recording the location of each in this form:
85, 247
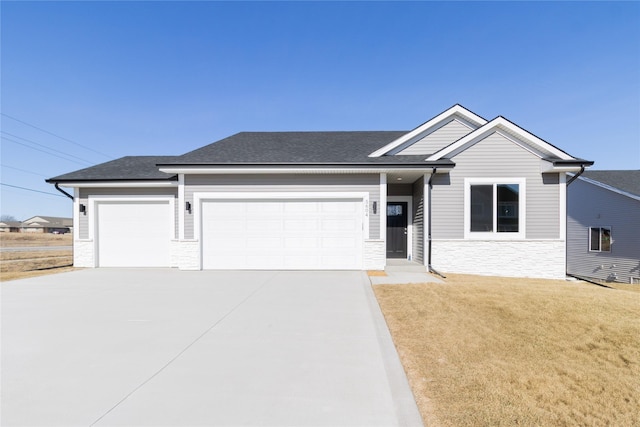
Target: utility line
57, 136
37, 149
31, 189
23, 170
44, 146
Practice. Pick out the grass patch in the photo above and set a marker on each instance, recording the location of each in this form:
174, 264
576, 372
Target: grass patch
496, 351
24, 264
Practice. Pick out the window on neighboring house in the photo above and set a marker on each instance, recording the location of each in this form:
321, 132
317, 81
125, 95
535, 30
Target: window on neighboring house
494, 208
600, 239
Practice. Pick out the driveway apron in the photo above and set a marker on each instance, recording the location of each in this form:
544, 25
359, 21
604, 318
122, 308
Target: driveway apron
165, 347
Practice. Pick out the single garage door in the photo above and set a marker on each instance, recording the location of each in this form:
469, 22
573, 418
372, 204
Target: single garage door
282, 234
133, 234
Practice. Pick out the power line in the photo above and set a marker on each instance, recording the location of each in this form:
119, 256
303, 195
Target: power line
30, 189
44, 146
57, 136
23, 170
37, 149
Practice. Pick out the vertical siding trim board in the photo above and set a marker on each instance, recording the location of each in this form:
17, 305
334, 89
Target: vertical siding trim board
181, 206
383, 207
426, 221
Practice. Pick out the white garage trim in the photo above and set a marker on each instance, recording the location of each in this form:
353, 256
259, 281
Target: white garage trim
93, 204
200, 198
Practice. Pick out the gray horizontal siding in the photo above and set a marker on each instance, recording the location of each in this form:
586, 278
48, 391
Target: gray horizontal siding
438, 139
591, 206
369, 183
495, 157
86, 192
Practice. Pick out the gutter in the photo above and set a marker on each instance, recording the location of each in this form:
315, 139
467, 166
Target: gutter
574, 177
429, 266
63, 192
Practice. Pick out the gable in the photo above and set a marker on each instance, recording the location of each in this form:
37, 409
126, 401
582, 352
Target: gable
509, 131
496, 150
437, 139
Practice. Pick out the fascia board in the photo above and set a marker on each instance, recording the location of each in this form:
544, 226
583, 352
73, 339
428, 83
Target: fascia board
236, 171
446, 115
496, 124
118, 184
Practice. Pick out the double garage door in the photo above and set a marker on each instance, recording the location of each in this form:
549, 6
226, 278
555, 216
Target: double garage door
282, 234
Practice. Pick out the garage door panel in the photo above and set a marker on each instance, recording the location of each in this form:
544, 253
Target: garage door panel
276, 234
133, 234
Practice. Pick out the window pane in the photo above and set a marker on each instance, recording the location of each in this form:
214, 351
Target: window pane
482, 208
394, 210
508, 195
605, 240
595, 239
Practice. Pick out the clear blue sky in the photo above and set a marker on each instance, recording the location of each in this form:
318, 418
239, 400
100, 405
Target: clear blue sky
143, 78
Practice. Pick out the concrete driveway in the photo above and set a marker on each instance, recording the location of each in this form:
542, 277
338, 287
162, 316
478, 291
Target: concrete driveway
165, 347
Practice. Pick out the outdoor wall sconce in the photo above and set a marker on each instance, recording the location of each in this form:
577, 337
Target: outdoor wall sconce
187, 206
375, 207
83, 209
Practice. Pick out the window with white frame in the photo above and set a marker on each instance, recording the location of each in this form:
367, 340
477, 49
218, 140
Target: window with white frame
600, 239
494, 208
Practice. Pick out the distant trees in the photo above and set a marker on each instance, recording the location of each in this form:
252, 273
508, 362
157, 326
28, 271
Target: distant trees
5, 218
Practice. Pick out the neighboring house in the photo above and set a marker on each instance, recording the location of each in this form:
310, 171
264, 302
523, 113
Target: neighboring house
603, 226
10, 226
46, 224
458, 193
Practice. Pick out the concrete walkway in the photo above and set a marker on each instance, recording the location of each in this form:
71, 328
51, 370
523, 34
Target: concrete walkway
166, 347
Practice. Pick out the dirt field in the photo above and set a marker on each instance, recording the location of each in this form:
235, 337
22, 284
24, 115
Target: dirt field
503, 352
23, 264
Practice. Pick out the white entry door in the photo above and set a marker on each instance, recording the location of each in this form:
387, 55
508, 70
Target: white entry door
133, 234
315, 234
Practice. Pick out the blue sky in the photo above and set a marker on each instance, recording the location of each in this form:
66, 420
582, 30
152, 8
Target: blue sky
142, 78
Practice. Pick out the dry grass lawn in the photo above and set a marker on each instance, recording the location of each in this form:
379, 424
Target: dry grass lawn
493, 351
20, 265
12, 240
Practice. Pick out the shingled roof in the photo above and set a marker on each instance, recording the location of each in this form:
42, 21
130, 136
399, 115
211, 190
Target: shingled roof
130, 168
625, 180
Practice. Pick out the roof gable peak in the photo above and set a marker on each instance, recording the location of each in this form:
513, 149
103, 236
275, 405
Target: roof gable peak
499, 123
456, 111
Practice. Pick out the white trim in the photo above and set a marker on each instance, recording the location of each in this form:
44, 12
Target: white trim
228, 170
444, 116
493, 125
409, 201
563, 205
94, 200
76, 214
609, 187
383, 209
426, 219
120, 184
495, 235
181, 207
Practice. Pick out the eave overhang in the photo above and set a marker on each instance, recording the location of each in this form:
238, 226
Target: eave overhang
563, 165
114, 183
315, 168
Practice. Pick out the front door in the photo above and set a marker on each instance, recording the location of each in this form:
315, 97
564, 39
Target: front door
396, 229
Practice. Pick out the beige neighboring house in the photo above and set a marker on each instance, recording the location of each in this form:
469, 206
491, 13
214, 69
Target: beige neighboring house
10, 226
47, 224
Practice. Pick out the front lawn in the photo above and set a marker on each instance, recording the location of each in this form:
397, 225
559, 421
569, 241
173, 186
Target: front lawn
495, 351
